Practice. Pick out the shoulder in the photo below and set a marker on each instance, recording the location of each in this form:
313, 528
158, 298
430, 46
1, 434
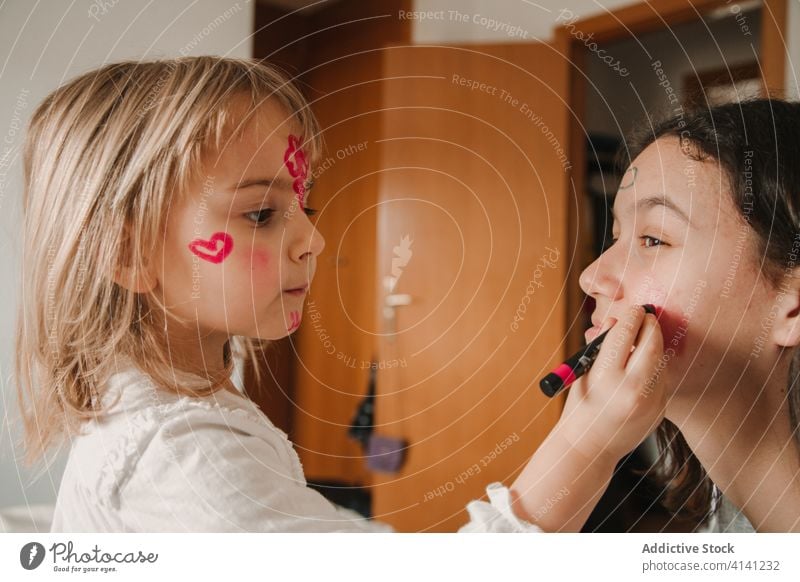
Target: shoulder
148, 431
727, 518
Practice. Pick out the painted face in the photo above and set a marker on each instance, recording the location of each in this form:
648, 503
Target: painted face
681, 245
295, 160
240, 251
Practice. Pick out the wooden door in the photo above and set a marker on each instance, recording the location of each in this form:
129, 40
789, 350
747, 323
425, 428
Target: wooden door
473, 252
342, 80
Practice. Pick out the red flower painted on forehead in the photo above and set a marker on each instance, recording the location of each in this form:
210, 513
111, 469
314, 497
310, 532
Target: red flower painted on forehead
297, 164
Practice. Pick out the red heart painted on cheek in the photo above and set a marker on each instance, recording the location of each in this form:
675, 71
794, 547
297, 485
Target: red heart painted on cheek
211, 250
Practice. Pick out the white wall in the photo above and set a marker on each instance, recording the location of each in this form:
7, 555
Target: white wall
42, 44
476, 21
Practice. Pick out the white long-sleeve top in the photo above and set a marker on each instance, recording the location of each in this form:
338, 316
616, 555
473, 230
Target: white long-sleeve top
161, 462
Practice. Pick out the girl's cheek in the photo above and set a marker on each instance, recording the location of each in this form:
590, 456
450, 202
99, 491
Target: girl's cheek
670, 318
214, 249
262, 267
652, 292
260, 261
677, 315
673, 328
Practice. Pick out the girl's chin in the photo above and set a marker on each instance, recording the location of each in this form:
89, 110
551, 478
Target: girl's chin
276, 331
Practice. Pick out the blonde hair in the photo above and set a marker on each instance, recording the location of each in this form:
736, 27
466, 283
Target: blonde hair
104, 157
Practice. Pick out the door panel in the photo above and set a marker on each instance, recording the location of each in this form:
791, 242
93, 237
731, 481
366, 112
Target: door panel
335, 344
472, 226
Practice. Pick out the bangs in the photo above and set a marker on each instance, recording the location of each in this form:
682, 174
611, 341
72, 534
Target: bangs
205, 103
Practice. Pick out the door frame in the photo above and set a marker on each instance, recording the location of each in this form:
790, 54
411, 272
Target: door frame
646, 16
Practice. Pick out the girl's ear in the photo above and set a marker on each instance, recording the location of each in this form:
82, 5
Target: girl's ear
134, 280
786, 326
128, 276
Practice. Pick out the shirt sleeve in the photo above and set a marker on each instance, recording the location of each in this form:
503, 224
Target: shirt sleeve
496, 515
203, 471
202, 474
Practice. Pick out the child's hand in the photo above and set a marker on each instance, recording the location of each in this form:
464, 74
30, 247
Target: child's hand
621, 400
609, 411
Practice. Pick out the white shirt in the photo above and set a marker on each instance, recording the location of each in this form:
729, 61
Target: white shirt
728, 519
161, 462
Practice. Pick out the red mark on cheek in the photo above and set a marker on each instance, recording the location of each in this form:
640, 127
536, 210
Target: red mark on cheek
259, 260
213, 250
294, 323
297, 164
673, 328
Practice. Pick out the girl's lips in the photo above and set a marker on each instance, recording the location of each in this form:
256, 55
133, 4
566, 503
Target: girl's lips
298, 292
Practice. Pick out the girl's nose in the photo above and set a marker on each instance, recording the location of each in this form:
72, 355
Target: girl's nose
602, 277
309, 244
317, 242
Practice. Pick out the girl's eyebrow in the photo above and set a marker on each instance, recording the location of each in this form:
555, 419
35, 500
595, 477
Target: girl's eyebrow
279, 183
662, 200
655, 201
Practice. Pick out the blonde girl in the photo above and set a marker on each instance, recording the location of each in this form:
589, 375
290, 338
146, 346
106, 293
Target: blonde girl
166, 232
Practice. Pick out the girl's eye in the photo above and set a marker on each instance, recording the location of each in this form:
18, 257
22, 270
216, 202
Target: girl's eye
260, 217
651, 241
263, 216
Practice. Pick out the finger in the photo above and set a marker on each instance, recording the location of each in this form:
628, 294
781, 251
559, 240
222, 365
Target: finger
650, 325
608, 324
604, 327
649, 347
620, 339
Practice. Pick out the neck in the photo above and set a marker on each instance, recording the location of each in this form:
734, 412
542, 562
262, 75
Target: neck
739, 430
194, 350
